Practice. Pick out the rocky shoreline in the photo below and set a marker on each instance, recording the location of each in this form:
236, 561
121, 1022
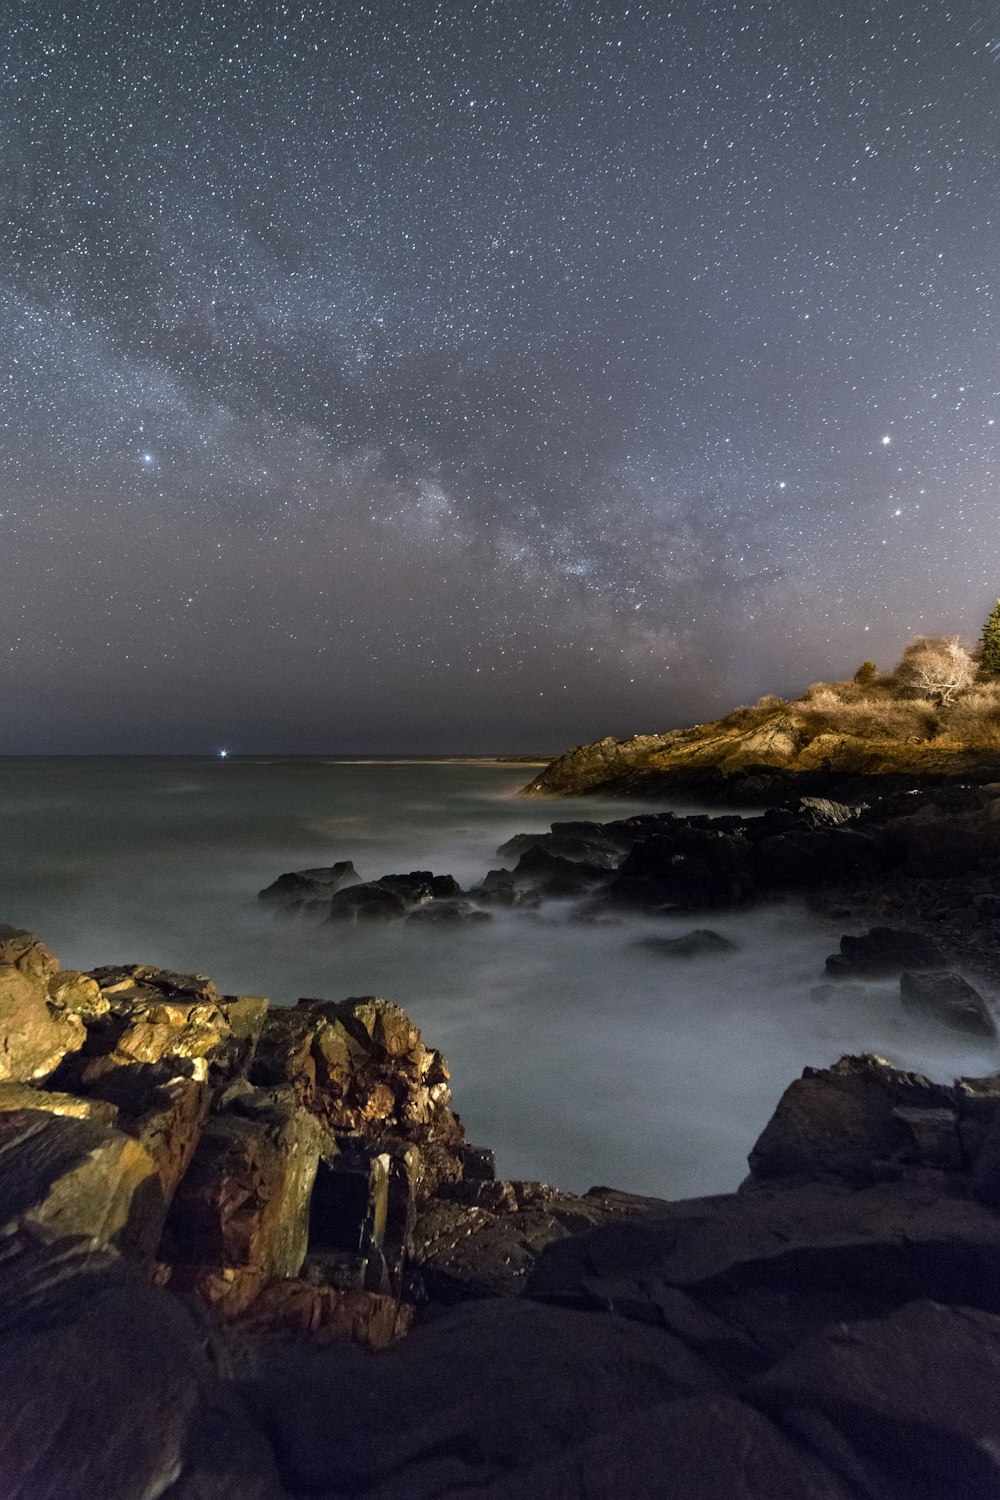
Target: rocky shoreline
254, 1243
904, 854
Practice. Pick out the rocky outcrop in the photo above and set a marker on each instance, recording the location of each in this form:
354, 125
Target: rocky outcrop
762, 754
298, 1178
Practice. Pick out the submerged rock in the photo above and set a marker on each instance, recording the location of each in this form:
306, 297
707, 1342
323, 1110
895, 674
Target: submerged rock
949, 1000
299, 887
698, 943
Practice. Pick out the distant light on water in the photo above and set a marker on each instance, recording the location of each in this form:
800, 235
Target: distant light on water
223, 754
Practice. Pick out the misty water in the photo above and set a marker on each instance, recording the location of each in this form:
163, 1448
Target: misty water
580, 1056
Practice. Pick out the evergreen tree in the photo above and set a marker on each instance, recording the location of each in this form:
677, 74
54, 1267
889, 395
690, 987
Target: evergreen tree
989, 645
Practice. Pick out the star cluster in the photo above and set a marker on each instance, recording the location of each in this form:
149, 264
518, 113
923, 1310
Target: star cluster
488, 374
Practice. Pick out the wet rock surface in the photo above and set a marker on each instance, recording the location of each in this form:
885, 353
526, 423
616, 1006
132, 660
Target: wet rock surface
257, 1244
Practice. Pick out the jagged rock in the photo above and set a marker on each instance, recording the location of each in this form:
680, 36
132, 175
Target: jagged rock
690, 867
22, 951
108, 1392
484, 1237
592, 848
949, 1000
885, 950
155, 1015
297, 1309
297, 887
917, 1393
244, 1200
35, 1033
70, 990
366, 903
63, 1176
695, 944
361, 1066
843, 1123
161, 1109
514, 1384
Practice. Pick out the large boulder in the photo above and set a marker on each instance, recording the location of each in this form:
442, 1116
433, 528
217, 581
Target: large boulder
108, 1391
949, 1000
885, 951
307, 887
36, 1033
857, 1122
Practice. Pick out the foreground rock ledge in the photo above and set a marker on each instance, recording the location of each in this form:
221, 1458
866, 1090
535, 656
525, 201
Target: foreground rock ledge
214, 1214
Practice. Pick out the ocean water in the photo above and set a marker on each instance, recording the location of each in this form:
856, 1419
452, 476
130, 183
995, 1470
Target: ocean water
580, 1056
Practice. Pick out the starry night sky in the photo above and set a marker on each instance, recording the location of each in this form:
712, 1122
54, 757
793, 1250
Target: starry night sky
486, 375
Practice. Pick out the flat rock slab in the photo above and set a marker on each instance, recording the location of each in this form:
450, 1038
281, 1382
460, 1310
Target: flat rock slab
949, 1000
784, 1261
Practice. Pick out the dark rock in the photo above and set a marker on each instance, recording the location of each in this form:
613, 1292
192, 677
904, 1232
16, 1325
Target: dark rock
843, 1123
513, 1384
949, 1000
812, 857
62, 1176
108, 1392
591, 849
713, 1447
780, 1264
484, 1237
478, 1163
367, 903
696, 944
552, 875
299, 886
421, 885
885, 950
914, 1394
447, 912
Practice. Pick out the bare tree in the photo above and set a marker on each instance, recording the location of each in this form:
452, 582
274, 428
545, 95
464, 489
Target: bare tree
938, 666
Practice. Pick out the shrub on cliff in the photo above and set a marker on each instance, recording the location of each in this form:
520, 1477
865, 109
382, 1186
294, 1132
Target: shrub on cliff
989, 642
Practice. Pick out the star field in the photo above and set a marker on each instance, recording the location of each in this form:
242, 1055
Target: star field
486, 375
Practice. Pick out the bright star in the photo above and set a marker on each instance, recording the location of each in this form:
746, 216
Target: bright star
886, 441
148, 460
223, 754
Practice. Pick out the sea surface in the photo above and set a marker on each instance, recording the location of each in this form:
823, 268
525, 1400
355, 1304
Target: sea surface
581, 1057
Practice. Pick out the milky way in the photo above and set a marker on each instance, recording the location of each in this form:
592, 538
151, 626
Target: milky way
485, 375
